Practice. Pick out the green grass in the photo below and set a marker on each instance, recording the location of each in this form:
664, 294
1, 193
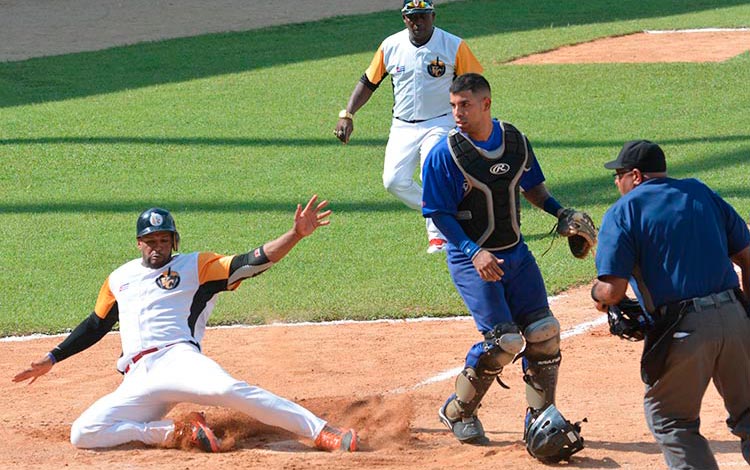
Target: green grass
231, 131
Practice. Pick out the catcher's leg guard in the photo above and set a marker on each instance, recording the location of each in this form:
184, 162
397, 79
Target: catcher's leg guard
459, 412
541, 361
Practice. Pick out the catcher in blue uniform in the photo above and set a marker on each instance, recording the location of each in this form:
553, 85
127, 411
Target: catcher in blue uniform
472, 181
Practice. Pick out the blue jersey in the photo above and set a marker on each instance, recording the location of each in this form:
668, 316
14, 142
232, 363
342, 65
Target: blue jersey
521, 292
442, 180
444, 187
673, 240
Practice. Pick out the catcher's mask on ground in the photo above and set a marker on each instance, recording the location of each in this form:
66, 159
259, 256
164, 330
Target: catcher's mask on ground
552, 438
157, 219
417, 6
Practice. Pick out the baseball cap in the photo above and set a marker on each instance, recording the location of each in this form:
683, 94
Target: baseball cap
417, 6
642, 154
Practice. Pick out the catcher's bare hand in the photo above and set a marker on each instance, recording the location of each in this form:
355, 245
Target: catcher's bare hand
344, 129
36, 370
310, 218
578, 227
488, 266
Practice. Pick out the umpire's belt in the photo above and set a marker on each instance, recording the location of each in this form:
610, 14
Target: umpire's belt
420, 120
697, 304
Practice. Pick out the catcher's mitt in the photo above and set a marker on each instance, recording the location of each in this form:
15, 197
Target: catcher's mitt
579, 229
628, 320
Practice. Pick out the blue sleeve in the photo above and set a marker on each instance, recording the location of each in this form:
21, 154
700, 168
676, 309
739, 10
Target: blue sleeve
616, 249
533, 174
738, 236
442, 182
452, 231
442, 191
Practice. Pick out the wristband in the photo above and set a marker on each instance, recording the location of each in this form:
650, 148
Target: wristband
469, 248
52, 357
551, 206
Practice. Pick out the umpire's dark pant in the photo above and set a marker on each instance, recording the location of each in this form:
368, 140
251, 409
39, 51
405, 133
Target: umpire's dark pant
711, 342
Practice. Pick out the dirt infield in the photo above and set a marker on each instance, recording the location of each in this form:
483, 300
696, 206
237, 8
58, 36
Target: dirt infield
655, 46
387, 379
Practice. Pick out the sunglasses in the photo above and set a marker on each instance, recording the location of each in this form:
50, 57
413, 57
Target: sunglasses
617, 175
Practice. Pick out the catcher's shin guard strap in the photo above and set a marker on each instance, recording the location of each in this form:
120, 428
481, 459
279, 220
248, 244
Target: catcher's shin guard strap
541, 381
541, 360
470, 389
484, 363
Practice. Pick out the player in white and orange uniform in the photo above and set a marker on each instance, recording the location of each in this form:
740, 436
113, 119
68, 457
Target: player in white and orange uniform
422, 61
162, 302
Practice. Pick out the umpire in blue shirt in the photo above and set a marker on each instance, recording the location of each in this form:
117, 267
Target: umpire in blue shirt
676, 241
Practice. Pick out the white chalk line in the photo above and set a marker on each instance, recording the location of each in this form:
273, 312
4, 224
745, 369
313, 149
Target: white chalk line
452, 373
696, 30
445, 375
34, 336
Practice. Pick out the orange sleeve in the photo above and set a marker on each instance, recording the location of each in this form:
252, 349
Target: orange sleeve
105, 301
214, 267
376, 71
465, 61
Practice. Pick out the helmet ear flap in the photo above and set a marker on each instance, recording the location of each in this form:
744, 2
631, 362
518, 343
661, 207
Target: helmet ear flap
176, 241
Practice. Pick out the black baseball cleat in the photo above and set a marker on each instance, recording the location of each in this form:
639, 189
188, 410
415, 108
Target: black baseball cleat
466, 430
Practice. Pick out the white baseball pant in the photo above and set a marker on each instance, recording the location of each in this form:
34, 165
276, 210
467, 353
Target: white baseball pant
408, 145
179, 373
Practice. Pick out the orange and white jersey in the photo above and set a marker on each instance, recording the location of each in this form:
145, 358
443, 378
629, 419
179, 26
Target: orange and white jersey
421, 75
160, 307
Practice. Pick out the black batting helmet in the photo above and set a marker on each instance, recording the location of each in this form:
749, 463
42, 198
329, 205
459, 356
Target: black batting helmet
157, 219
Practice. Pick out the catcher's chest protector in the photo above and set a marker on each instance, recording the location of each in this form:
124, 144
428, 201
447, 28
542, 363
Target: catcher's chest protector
490, 211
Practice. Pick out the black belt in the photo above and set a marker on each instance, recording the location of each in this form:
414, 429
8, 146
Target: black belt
697, 304
420, 120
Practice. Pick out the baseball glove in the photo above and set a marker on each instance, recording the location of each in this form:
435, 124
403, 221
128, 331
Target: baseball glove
628, 320
579, 229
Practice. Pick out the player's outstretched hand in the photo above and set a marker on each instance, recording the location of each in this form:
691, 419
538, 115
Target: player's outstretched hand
310, 218
36, 370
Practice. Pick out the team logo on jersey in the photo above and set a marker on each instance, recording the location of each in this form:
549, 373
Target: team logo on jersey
156, 219
168, 280
436, 68
499, 168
